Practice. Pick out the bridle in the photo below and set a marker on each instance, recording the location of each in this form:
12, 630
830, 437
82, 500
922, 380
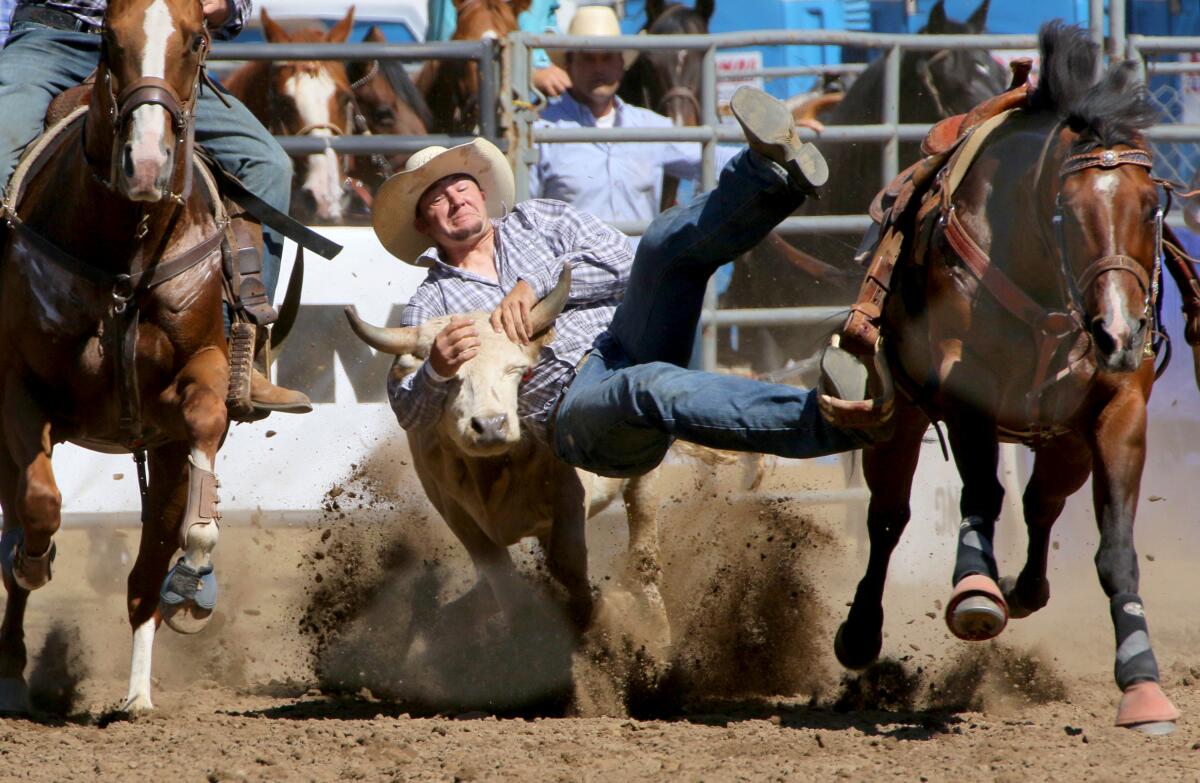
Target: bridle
154, 91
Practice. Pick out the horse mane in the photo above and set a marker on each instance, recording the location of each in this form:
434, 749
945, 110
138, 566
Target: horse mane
678, 19
1112, 110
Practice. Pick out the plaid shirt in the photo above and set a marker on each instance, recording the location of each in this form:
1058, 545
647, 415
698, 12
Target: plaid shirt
532, 242
92, 12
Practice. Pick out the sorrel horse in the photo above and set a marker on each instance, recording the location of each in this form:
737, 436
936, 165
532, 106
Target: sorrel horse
388, 103
112, 335
1023, 310
451, 88
305, 98
669, 82
933, 85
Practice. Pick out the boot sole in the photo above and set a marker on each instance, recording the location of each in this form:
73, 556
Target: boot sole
769, 129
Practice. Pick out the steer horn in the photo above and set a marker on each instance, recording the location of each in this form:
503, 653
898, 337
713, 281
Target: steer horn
868, 413
547, 309
397, 340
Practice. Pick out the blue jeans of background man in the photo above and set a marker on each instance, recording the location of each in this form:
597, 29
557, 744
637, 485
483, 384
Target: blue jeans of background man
632, 396
39, 62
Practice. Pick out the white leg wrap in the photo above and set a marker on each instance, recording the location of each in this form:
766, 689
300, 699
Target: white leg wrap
139, 669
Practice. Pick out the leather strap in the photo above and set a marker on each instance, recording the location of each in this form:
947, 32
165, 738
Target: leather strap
1106, 159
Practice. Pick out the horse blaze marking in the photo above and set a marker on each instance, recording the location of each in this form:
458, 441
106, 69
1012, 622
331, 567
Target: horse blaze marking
147, 134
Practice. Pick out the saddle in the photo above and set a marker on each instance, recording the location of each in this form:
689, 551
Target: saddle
950, 148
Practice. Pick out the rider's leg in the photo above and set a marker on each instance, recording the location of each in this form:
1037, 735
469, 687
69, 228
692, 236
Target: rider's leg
37, 63
244, 148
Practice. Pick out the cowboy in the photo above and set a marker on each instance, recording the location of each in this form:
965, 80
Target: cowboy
634, 320
614, 182
55, 44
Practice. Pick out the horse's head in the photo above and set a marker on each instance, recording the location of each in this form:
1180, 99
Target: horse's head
146, 87
389, 102
1109, 221
478, 20
952, 81
670, 80
313, 98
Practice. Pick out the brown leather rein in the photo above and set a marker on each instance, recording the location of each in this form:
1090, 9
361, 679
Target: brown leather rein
1051, 326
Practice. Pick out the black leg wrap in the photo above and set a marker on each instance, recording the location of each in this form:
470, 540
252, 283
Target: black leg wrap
975, 549
1135, 660
250, 290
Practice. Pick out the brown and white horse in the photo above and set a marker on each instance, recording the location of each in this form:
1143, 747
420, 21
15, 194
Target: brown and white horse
111, 332
451, 88
304, 98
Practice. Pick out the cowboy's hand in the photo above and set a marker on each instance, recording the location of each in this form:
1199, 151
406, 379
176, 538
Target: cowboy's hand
216, 12
454, 346
512, 316
551, 81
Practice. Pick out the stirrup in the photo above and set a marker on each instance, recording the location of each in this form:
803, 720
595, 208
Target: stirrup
241, 360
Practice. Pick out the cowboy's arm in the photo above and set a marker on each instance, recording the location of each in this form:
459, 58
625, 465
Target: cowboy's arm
416, 397
599, 255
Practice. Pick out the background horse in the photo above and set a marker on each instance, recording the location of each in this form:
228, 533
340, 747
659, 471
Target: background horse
388, 103
304, 98
451, 88
1029, 318
669, 82
112, 334
933, 86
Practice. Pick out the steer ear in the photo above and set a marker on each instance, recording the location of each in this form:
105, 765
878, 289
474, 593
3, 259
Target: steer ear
397, 341
544, 312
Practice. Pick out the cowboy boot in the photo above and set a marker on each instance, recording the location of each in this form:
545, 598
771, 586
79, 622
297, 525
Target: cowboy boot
771, 132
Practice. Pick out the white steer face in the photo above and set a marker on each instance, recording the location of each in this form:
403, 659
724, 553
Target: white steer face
480, 413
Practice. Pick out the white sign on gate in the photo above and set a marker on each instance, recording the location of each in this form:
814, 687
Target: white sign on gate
730, 63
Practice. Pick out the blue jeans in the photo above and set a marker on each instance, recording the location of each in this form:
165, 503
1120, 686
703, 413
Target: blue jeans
632, 396
38, 62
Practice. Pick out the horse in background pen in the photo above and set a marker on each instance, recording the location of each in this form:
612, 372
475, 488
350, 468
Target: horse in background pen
451, 87
934, 85
305, 98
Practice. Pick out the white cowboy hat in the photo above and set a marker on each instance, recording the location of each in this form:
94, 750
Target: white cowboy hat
592, 20
396, 202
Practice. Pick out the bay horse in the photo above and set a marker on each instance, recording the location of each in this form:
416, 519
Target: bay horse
111, 329
451, 87
669, 82
933, 85
1024, 309
305, 98
388, 103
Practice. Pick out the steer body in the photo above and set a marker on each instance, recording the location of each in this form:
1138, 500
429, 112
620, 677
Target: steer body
495, 484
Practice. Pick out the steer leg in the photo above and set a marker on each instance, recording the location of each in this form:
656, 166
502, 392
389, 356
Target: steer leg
566, 550
643, 568
492, 562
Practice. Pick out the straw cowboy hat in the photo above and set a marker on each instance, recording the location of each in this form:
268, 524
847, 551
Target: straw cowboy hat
594, 21
396, 202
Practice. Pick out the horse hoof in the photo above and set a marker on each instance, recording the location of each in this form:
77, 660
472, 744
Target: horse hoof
1147, 709
1017, 608
858, 655
27, 572
14, 696
187, 597
977, 610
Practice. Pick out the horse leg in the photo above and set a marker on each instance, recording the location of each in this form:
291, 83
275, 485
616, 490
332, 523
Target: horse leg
1059, 470
28, 553
1119, 449
189, 593
14, 696
888, 468
165, 506
976, 609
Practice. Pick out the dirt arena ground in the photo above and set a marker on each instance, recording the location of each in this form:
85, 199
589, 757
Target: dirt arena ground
325, 660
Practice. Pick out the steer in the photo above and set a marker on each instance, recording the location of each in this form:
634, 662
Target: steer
495, 484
